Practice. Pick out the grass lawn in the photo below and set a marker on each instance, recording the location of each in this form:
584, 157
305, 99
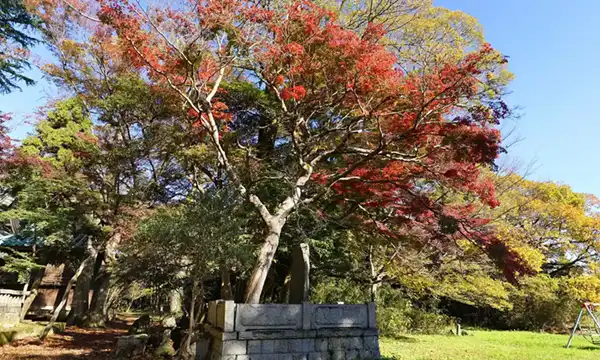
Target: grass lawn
489, 345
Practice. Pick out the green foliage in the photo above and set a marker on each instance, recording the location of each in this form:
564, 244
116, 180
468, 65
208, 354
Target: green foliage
403, 318
21, 263
540, 304
192, 239
396, 314
332, 291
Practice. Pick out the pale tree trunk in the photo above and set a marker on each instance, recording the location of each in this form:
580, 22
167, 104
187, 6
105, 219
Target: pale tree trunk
72, 281
274, 223
377, 276
263, 263
81, 296
98, 312
35, 282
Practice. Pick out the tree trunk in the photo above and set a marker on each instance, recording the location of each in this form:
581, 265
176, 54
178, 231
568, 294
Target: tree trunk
34, 284
263, 262
81, 296
226, 291
98, 312
65, 296
185, 352
376, 277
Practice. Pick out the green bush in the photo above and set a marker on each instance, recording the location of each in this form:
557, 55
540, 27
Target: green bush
393, 322
396, 315
542, 303
331, 291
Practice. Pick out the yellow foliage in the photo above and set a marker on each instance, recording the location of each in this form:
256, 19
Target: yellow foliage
584, 288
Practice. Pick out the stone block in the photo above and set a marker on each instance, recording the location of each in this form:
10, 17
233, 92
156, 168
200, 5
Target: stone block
200, 349
216, 346
372, 315
254, 347
299, 357
308, 345
282, 346
299, 271
370, 355
268, 316
296, 345
306, 315
353, 343
226, 315
271, 357
234, 347
321, 345
212, 313
342, 344
220, 335
337, 355
268, 346
371, 342
371, 332
276, 334
353, 355
339, 316
345, 332
318, 356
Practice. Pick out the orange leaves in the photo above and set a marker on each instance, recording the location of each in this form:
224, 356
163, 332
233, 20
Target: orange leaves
293, 49
294, 92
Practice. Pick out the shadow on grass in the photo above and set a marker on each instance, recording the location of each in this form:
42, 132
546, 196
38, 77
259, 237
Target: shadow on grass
406, 339
586, 347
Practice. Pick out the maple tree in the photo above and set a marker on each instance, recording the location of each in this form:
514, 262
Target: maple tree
343, 117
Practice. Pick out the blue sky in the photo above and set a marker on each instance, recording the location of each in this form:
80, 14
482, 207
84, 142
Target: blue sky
554, 49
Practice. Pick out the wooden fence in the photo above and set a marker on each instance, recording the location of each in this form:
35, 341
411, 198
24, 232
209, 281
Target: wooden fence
11, 302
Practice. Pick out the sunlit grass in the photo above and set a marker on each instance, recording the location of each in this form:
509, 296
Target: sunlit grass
489, 345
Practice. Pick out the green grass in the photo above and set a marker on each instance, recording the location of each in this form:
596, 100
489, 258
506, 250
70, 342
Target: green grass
26, 329
489, 345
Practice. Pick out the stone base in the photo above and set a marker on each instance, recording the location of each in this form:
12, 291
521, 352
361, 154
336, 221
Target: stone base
352, 334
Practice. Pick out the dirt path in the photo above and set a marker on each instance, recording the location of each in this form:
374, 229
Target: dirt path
73, 344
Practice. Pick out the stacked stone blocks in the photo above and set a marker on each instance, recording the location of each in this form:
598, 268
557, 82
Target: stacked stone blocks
291, 332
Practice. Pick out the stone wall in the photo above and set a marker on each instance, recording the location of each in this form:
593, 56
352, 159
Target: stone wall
290, 332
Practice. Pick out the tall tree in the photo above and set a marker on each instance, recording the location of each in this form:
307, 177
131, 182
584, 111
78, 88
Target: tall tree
15, 22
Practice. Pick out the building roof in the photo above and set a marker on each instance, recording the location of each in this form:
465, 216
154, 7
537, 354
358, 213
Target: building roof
13, 240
